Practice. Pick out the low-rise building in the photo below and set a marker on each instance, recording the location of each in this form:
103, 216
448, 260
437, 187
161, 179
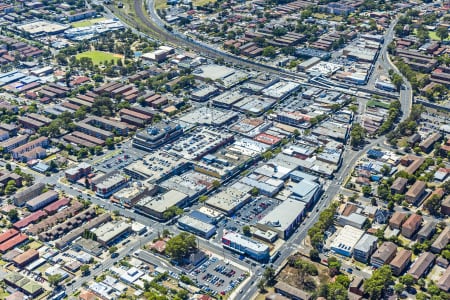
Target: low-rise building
442, 241
291, 292
411, 225
346, 240
399, 185
42, 200
384, 254
397, 219
444, 281
83, 169
400, 262
111, 231
422, 265
196, 226
246, 246
365, 247
25, 258
283, 219
106, 185
415, 192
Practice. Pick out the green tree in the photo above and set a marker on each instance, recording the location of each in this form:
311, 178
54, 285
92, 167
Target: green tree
433, 205
407, 280
314, 255
357, 135
442, 33
334, 266
216, 184
269, 276
399, 288
13, 215
367, 190
269, 51
54, 280
112, 249
377, 284
181, 245
84, 270
254, 191
202, 198
246, 230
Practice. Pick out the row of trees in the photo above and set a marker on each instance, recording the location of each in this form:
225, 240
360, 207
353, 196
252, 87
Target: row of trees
317, 231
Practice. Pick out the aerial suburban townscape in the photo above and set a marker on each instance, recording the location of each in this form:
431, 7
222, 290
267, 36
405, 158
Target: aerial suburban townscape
222, 149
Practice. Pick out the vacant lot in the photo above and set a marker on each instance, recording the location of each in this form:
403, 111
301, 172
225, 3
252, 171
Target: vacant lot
85, 23
99, 57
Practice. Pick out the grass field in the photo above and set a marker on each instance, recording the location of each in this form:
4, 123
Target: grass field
84, 23
99, 57
374, 103
160, 4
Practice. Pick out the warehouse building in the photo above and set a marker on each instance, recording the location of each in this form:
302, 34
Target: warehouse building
196, 226
283, 219
109, 232
246, 246
346, 240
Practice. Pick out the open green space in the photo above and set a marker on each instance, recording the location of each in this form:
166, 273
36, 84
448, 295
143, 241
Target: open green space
434, 36
376, 103
85, 23
99, 57
161, 4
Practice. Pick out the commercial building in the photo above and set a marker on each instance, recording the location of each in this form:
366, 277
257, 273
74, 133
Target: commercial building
411, 225
422, 265
157, 166
400, 262
109, 232
156, 206
384, 254
365, 247
306, 191
106, 185
196, 226
346, 240
246, 246
42, 200
74, 174
283, 219
157, 135
230, 199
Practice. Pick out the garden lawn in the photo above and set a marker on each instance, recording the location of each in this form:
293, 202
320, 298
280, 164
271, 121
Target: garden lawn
99, 57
